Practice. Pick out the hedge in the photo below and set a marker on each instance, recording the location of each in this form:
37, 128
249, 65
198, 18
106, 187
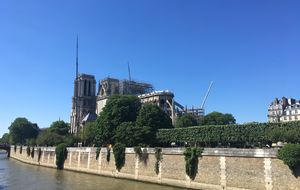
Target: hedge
233, 135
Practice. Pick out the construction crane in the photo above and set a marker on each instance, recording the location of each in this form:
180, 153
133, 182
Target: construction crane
206, 95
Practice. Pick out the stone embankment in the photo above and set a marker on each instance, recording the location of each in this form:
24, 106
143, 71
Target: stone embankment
218, 168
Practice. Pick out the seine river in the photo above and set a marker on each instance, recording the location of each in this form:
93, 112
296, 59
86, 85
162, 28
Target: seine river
16, 175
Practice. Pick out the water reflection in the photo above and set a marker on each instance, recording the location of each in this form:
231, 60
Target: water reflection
19, 176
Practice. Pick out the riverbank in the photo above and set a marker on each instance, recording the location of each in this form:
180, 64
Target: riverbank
218, 168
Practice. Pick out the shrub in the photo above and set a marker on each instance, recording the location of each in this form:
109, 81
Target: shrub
138, 151
107, 154
158, 157
98, 152
191, 161
28, 151
39, 154
142, 154
61, 155
290, 155
119, 153
32, 152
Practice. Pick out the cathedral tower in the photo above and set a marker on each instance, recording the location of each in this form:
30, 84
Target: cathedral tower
84, 99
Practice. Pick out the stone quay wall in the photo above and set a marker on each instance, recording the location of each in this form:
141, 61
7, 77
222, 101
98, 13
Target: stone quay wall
218, 168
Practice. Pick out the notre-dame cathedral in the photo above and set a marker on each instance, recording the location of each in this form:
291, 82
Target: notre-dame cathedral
86, 104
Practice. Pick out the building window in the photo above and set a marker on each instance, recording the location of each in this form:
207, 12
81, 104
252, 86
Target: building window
296, 118
296, 111
284, 118
290, 117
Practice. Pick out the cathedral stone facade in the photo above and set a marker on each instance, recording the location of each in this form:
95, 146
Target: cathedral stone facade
110, 86
83, 101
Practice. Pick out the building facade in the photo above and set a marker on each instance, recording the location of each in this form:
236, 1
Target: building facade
284, 110
163, 99
83, 101
110, 86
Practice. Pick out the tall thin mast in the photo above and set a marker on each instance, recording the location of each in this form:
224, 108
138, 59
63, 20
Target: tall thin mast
129, 71
77, 105
77, 57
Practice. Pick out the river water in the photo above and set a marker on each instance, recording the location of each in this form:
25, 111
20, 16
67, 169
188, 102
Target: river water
16, 175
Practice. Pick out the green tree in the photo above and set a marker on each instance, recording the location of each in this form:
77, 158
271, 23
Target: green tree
59, 127
87, 133
48, 138
290, 155
186, 120
217, 118
21, 129
31, 142
151, 118
57, 133
130, 135
118, 109
5, 138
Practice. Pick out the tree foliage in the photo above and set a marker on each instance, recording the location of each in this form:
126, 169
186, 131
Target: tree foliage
233, 135
57, 133
59, 127
290, 155
88, 134
129, 134
119, 109
46, 138
28, 150
32, 152
119, 154
5, 138
217, 118
39, 154
191, 155
61, 155
151, 118
21, 129
186, 120
98, 152
158, 158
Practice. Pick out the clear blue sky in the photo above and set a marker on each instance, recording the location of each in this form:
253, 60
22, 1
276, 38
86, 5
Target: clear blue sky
250, 49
